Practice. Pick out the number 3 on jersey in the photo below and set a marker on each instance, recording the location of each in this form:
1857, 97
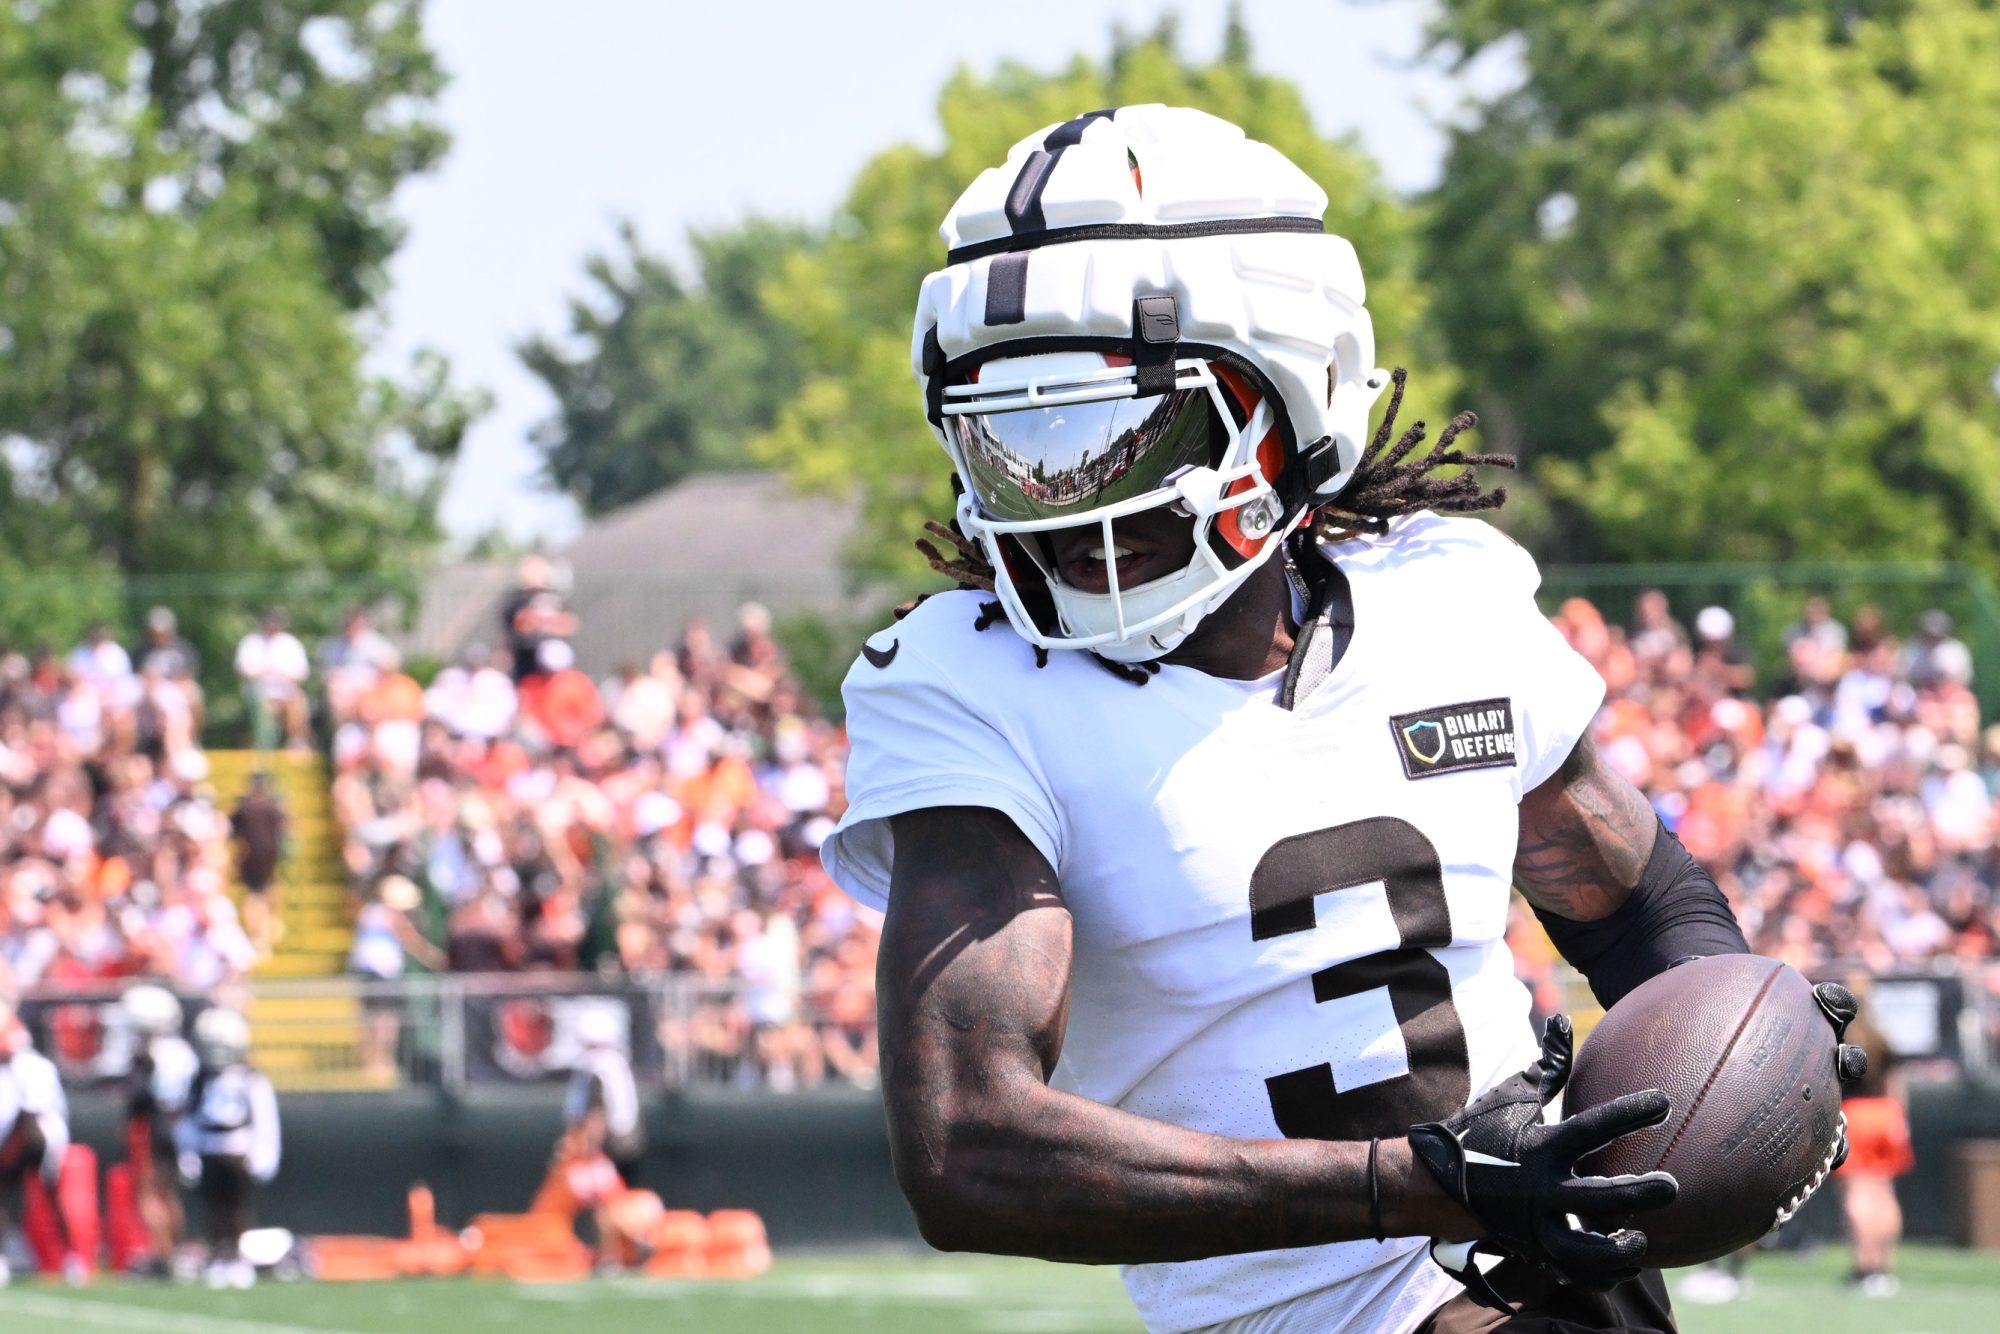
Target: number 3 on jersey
1291, 874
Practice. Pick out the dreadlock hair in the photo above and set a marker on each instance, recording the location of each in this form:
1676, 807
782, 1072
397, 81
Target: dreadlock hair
1382, 488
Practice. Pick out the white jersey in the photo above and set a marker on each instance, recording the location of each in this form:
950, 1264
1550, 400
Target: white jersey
169, 1068
617, 1092
31, 1088
1286, 922
232, 1113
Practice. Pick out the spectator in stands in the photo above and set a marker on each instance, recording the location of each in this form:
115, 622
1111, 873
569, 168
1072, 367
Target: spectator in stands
352, 662
113, 859
273, 665
385, 943
560, 703
532, 614
1659, 644
664, 821
101, 663
1935, 658
1817, 625
258, 828
1719, 665
474, 697
1849, 818
165, 651
642, 703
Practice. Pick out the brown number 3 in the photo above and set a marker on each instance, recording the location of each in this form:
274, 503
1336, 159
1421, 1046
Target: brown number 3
1395, 852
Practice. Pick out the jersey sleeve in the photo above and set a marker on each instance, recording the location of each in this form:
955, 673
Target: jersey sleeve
916, 742
1556, 691
266, 1142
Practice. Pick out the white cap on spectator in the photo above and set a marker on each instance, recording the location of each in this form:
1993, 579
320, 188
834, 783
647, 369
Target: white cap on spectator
188, 765
555, 655
817, 830
754, 848
1714, 623
65, 834
1792, 710
711, 839
653, 812
1862, 862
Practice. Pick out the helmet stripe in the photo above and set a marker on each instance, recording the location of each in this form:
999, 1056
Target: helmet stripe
1024, 201
1127, 231
1007, 289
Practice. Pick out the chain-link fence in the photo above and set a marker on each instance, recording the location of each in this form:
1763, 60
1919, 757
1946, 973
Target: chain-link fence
476, 1033
473, 1035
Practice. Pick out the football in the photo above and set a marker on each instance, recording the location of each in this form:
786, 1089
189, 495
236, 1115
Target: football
1739, 1045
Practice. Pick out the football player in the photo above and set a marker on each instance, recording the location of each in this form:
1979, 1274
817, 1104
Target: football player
1194, 811
163, 1070
601, 1104
34, 1144
228, 1140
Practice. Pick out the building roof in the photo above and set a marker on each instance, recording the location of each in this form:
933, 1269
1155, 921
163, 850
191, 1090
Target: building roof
734, 524
637, 575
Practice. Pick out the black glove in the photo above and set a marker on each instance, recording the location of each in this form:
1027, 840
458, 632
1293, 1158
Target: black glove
1837, 1003
1517, 1176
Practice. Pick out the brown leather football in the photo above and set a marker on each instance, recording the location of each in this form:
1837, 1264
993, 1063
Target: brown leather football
1738, 1044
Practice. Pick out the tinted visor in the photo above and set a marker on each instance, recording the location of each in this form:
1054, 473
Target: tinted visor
1049, 462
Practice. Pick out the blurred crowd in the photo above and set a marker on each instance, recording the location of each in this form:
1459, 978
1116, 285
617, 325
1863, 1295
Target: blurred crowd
518, 814
1847, 807
515, 814
114, 857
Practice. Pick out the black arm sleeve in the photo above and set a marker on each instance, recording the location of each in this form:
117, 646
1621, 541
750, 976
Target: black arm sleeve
1675, 912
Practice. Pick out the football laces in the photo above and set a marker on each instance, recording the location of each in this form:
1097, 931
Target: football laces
1817, 1180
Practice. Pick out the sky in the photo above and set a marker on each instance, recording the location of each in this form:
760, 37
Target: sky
567, 117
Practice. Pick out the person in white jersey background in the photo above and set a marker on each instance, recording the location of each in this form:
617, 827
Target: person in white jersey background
601, 1103
228, 1140
34, 1140
1194, 811
156, 1097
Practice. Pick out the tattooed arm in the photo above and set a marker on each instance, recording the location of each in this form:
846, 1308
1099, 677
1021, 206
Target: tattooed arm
1586, 835
1617, 893
973, 992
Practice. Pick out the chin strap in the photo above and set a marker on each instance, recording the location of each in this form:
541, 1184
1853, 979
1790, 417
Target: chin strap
1324, 633
1298, 486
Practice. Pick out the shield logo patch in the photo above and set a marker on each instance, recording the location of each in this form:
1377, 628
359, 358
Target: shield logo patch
1425, 741
1447, 739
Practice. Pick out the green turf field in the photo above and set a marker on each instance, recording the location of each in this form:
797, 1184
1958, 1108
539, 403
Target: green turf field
1943, 1291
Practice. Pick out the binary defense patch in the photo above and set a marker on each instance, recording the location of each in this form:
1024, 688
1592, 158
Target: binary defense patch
1451, 737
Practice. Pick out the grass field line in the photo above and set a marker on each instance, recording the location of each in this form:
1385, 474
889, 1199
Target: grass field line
117, 1315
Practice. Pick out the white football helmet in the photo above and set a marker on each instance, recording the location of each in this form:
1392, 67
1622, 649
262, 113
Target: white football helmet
222, 1036
1142, 309
153, 1010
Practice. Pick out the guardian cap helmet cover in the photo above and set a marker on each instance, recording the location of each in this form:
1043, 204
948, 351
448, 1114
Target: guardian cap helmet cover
1141, 309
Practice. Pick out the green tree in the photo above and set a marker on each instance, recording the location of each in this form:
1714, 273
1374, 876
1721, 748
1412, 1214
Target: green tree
857, 421
194, 225
1825, 368
1701, 292
659, 377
